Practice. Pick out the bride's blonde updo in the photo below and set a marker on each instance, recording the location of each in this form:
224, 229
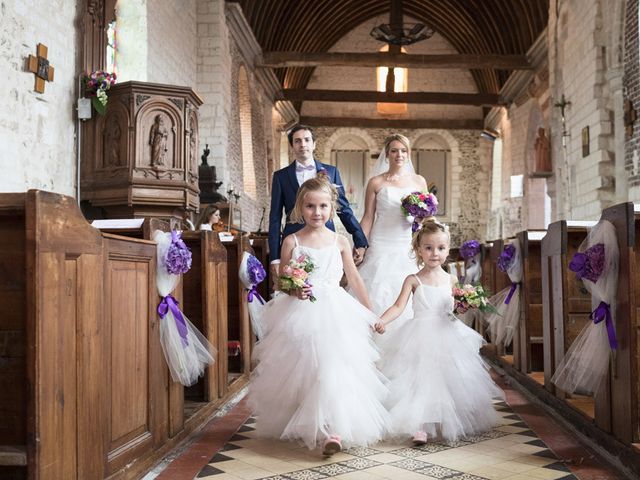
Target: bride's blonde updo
319, 183
429, 226
396, 137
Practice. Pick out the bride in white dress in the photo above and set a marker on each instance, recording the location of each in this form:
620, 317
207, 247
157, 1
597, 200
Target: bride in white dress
388, 260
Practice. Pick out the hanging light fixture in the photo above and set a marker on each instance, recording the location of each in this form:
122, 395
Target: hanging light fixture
402, 34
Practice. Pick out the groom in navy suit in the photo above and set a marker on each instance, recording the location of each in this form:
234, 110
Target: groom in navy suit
284, 188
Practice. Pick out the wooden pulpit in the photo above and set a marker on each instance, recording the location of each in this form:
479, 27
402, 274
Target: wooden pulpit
140, 158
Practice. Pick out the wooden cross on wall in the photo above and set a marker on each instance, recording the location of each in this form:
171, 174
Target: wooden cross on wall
40, 66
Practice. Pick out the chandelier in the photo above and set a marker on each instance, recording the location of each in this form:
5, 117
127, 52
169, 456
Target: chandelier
402, 34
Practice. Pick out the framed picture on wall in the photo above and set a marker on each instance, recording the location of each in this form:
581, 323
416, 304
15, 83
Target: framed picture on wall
433, 165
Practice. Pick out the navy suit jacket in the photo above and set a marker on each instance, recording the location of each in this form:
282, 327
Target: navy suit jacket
284, 188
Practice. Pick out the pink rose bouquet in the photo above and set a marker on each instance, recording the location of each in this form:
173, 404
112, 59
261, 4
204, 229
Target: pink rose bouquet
296, 273
467, 297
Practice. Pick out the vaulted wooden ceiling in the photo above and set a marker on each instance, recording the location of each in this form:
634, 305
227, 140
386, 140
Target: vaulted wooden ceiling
478, 27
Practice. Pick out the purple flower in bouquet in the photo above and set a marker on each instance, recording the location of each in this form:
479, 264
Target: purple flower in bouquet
178, 258
470, 249
589, 264
255, 270
419, 205
506, 257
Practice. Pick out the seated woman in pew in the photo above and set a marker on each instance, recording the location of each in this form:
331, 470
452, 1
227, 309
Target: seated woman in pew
210, 219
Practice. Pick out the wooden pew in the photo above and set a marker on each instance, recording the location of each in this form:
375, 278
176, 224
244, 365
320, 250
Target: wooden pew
86, 389
205, 304
238, 328
260, 246
527, 343
566, 303
624, 385
144, 228
13, 337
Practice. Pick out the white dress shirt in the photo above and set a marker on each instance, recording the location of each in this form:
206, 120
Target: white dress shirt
304, 175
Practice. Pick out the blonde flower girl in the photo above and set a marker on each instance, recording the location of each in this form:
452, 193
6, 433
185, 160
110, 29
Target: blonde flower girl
315, 379
439, 385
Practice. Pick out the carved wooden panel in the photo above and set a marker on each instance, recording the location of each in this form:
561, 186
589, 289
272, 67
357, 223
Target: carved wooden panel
132, 369
140, 159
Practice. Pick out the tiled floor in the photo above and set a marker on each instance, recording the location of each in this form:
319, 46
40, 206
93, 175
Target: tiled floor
511, 451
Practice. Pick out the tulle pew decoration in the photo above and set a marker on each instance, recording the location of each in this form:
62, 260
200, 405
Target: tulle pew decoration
586, 363
504, 323
470, 252
251, 274
186, 350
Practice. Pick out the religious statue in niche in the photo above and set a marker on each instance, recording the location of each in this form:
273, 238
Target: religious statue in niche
158, 136
112, 144
541, 158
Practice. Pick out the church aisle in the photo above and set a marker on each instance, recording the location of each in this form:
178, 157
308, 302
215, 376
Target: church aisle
527, 445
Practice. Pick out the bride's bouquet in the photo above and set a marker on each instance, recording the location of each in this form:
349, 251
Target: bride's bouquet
419, 205
469, 297
296, 273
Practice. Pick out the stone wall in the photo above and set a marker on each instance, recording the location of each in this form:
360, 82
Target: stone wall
583, 63
214, 81
37, 130
470, 169
251, 171
632, 85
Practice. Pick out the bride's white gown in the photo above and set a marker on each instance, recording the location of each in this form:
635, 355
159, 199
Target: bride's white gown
389, 258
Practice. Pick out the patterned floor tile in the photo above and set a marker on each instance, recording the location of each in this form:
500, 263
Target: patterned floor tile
411, 464
482, 453
362, 451
209, 470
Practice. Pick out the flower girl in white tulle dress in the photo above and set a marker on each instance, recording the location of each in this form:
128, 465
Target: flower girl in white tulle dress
439, 385
315, 379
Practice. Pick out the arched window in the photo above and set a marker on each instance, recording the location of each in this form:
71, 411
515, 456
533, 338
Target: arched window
110, 59
401, 84
246, 134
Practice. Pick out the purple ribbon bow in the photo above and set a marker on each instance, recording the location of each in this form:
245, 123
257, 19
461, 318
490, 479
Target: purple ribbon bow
603, 312
302, 168
514, 286
170, 303
253, 292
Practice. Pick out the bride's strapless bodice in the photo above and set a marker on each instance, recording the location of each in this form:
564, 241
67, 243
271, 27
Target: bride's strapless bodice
390, 225
327, 261
428, 299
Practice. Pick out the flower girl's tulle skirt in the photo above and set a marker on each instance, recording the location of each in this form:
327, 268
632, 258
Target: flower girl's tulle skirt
315, 371
439, 382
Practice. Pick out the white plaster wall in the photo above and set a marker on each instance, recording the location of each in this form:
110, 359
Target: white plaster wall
37, 131
213, 64
172, 42
364, 78
581, 42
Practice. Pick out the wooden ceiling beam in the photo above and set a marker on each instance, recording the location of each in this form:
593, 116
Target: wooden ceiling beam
404, 60
433, 98
446, 124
